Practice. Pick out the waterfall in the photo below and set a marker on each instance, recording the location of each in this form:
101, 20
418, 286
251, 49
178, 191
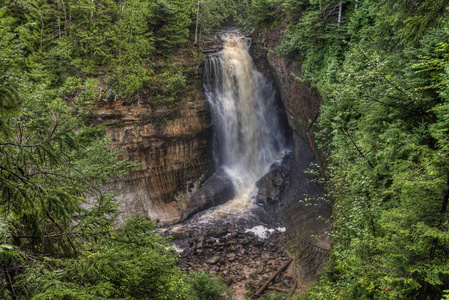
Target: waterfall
248, 135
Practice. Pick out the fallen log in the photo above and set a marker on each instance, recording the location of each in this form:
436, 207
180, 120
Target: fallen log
264, 287
273, 288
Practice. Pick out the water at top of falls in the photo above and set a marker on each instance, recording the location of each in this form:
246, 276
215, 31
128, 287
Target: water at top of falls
248, 134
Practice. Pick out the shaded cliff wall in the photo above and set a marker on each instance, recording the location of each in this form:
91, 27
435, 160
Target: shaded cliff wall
305, 213
301, 102
167, 139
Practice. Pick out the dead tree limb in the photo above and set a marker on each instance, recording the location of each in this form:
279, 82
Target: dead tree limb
264, 287
273, 288
357, 148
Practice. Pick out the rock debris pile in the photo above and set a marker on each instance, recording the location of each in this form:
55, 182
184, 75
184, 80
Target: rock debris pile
243, 259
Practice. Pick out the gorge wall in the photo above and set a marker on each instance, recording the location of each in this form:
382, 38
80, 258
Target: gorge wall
300, 100
305, 212
167, 140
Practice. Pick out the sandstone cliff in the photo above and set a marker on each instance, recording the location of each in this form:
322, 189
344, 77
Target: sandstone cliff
167, 138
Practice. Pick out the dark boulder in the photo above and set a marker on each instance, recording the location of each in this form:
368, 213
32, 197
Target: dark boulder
218, 189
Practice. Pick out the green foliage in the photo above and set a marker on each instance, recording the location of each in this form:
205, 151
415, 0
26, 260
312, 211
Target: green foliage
117, 41
131, 262
265, 11
414, 18
171, 23
210, 14
208, 287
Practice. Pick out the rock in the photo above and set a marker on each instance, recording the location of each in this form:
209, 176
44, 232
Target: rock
199, 243
210, 240
220, 231
213, 260
218, 189
278, 180
271, 188
241, 257
230, 256
168, 144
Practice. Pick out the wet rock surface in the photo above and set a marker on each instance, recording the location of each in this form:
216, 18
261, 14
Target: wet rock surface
246, 248
243, 248
273, 184
304, 210
217, 190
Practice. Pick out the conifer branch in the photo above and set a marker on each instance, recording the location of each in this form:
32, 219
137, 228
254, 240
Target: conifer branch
357, 148
388, 81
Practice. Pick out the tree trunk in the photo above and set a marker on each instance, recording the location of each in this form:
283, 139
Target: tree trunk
42, 32
197, 21
282, 268
59, 27
340, 8
70, 19
65, 16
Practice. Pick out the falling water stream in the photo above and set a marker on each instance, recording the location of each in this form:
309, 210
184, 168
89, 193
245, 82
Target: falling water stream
248, 136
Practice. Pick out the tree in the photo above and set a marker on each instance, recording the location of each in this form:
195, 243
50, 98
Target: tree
210, 14
51, 165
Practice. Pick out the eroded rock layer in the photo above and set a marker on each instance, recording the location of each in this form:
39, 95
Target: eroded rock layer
168, 142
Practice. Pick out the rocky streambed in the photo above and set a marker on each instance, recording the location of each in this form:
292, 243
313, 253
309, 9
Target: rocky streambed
245, 256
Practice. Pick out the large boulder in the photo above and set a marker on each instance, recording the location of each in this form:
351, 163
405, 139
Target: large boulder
272, 185
218, 189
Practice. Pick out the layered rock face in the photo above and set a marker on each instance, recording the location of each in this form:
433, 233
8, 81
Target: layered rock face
301, 102
168, 144
305, 211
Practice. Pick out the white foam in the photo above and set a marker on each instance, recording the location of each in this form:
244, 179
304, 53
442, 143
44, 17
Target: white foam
260, 231
178, 249
263, 232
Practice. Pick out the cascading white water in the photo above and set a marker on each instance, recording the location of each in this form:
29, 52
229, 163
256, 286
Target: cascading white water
248, 135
